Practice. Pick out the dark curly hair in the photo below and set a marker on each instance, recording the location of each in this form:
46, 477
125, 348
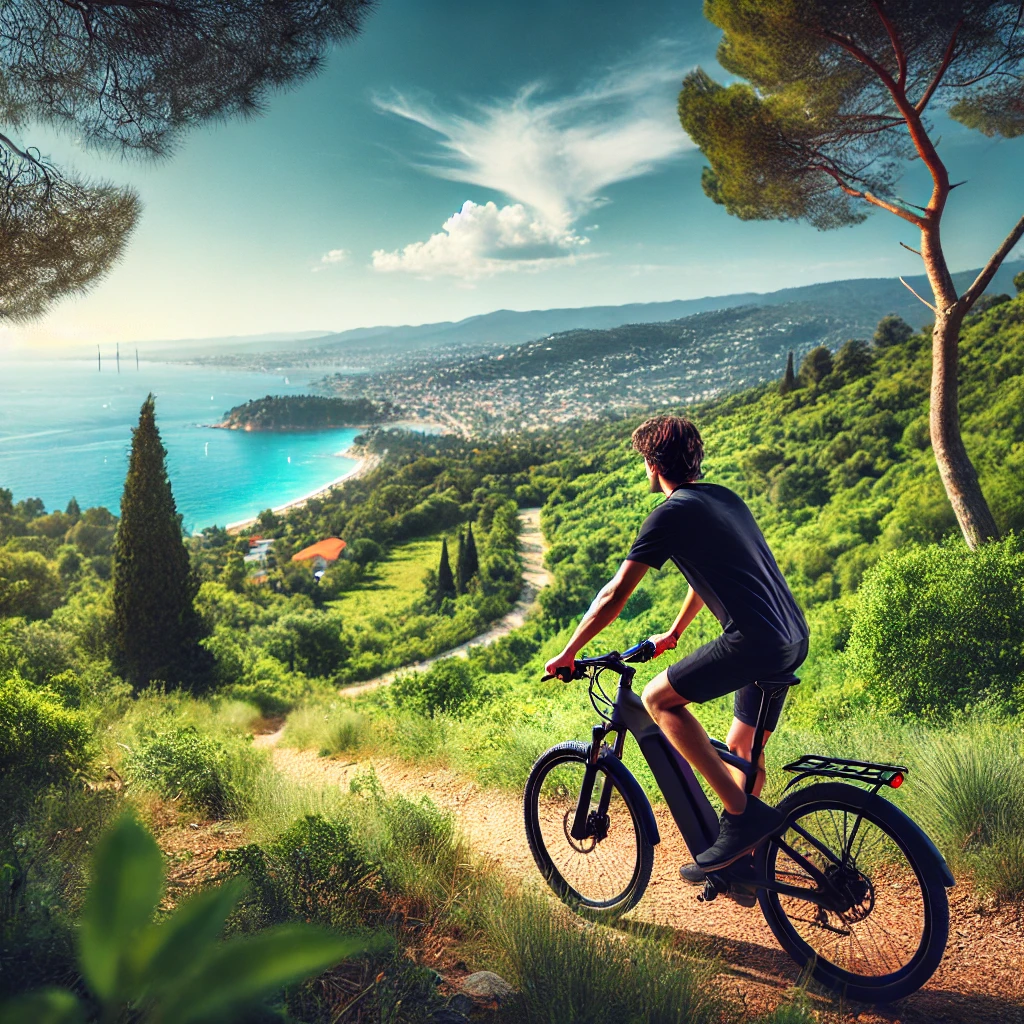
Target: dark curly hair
672, 445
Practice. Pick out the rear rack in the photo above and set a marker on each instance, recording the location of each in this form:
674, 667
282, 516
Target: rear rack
869, 772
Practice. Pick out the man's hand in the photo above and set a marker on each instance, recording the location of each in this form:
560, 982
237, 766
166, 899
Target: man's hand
663, 642
562, 663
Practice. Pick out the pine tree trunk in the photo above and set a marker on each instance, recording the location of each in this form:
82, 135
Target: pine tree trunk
956, 470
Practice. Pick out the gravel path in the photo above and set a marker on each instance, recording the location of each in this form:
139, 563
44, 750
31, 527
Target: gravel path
532, 548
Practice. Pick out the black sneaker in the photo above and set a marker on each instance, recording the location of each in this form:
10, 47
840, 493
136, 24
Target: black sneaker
740, 833
692, 874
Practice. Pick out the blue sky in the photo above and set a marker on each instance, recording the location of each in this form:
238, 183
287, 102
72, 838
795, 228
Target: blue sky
461, 157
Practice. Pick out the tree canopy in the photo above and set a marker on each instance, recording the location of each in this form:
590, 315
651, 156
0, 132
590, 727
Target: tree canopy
835, 95
132, 75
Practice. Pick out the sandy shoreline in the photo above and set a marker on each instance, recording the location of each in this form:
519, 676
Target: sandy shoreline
364, 464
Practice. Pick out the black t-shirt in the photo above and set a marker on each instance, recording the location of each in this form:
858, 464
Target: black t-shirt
710, 535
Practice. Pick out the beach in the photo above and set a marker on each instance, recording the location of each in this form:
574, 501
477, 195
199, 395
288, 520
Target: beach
364, 464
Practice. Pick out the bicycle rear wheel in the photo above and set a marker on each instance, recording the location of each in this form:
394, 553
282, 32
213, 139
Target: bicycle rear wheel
887, 937
606, 873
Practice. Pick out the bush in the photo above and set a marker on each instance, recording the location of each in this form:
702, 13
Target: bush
42, 742
220, 777
313, 872
939, 628
447, 686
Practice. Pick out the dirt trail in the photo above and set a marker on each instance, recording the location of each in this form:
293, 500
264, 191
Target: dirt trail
980, 979
532, 548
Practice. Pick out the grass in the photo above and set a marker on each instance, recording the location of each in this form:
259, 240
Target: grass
569, 972
397, 583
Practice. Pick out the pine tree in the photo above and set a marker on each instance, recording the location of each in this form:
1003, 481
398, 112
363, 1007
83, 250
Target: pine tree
445, 580
74, 509
156, 626
789, 379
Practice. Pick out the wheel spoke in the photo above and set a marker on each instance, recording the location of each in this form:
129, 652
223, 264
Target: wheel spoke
880, 924
601, 870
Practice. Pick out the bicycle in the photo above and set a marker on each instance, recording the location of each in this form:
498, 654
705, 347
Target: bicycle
852, 888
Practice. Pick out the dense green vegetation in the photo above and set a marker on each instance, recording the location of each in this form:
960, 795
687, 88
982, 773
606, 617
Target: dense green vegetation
304, 412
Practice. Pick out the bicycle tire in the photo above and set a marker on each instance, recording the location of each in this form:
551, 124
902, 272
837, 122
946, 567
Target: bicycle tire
635, 878
932, 912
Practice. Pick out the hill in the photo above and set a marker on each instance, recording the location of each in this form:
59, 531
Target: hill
857, 303
303, 412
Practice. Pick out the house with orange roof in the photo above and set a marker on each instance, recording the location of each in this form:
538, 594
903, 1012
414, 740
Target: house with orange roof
322, 554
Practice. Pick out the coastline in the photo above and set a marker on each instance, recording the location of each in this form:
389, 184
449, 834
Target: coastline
364, 464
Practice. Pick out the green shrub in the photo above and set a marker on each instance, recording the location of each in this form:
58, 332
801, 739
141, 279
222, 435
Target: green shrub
447, 686
315, 871
938, 628
220, 777
42, 742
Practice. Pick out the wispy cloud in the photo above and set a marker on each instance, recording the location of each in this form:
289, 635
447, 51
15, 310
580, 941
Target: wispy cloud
552, 156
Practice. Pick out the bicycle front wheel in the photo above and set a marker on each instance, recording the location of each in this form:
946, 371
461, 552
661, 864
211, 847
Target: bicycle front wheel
606, 873
886, 935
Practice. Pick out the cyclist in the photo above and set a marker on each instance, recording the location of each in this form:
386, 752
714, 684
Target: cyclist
708, 532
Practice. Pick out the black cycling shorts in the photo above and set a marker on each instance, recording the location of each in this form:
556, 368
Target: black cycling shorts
728, 665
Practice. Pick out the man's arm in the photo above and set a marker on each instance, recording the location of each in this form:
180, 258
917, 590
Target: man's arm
604, 610
692, 604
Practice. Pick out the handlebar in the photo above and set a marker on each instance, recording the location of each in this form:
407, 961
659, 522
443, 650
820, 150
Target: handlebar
614, 660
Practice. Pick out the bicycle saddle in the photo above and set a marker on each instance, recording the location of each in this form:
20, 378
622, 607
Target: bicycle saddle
776, 683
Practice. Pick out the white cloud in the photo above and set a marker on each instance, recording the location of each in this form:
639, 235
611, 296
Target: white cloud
551, 156
335, 256
483, 240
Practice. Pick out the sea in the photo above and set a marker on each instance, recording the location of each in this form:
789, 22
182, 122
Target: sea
65, 431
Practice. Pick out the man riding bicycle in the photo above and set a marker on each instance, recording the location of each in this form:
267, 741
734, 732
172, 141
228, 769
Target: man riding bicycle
708, 532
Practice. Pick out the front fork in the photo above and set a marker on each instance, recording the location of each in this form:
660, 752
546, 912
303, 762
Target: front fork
584, 825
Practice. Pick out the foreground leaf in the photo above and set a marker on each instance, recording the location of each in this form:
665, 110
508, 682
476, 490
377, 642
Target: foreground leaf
244, 971
127, 880
181, 944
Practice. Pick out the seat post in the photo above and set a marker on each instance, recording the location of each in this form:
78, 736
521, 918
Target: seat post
758, 746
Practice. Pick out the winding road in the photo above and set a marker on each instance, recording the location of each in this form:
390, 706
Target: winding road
532, 548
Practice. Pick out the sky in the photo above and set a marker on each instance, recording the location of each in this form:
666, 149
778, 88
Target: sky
461, 157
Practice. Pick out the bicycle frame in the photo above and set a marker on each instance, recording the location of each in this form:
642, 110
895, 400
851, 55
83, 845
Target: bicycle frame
691, 810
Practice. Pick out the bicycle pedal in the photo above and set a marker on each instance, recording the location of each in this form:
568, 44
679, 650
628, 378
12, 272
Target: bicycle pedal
709, 894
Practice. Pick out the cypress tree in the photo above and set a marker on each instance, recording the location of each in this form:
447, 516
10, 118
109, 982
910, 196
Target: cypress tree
445, 580
460, 564
472, 561
156, 626
789, 379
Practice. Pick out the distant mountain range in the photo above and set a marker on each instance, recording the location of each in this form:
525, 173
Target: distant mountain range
853, 306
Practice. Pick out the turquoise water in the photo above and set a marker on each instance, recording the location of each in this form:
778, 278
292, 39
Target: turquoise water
65, 430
